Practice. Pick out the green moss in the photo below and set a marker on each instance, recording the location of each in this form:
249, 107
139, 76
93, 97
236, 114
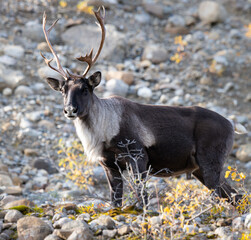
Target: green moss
22, 208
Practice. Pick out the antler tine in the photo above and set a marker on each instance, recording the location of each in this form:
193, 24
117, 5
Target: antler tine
88, 57
59, 69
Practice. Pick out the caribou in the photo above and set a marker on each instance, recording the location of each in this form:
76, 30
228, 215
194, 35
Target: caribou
191, 140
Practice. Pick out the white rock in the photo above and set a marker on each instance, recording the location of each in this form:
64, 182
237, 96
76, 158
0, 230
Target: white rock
61, 222
25, 123
14, 51
13, 77
12, 216
81, 234
223, 232
247, 223
38, 87
23, 90
45, 72
155, 53
145, 92
70, 225
117, 87
35, 116
5, 180
7, 92
244, 153
156, 220
238, 223
29, 132
7, 60
109, 233
177, 20
211, 12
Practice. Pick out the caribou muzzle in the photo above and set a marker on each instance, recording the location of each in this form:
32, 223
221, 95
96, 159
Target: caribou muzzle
70, 112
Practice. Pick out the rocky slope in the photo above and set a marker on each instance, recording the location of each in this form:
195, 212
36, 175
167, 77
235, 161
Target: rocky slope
179, 53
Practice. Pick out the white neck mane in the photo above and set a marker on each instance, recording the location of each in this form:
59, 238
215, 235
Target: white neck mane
104, 118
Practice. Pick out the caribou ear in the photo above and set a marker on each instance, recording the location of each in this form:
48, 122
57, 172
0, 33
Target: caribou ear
94, 79
55, 84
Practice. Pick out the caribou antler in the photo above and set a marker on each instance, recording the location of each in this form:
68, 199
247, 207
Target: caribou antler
88, 57
59, 69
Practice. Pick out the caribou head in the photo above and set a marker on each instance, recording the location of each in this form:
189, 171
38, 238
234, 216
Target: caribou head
77, 90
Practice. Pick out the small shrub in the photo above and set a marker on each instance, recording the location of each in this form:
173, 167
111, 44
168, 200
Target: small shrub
75, 164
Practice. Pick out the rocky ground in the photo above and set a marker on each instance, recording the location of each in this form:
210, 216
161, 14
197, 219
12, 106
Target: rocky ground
144, 60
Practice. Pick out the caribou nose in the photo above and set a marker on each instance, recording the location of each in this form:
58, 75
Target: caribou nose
70, 110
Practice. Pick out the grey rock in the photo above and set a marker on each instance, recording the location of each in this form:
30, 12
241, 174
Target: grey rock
156, 220
35, 116
81, 234
34, 31
14, 51
109, 233
40, 181
12, 216
125, 229
45, 164
244, 153
155, 9
33, 228
143, 18
23, 90
45, 72
113, 47
176, 101
62, 234
29, 132
46, 124
145, 92
120, 218
235, 34
5, 180
155, 53
238, 224
211, 12
204, 229
25, 123
177, 21
84, 217
117, 87
7, 91
206, 81
13, 78
221, 60
57, 216
105, 222
7, 60
71, 225
52, 237
223, 232
38, 87
59, 223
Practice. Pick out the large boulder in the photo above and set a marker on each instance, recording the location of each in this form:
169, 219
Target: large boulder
32, 228
86, 37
